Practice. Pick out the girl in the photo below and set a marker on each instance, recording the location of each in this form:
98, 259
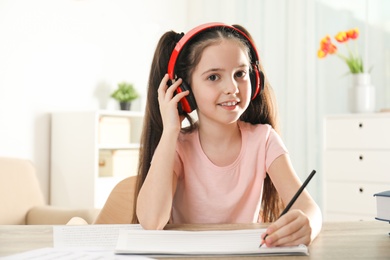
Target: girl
230, 166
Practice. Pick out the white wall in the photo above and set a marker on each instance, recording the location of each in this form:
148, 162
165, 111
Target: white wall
67, 55
70, 54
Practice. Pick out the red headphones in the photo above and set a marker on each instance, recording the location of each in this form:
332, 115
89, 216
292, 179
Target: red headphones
188, 103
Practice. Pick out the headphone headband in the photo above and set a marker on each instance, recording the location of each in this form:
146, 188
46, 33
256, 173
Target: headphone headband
188, 103
190, 34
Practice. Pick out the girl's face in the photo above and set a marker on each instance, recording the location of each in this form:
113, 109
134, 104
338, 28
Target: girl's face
221, 83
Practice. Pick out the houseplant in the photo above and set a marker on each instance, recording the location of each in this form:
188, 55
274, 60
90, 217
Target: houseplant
125, 94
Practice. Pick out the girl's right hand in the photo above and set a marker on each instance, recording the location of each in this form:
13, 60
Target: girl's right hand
168, 102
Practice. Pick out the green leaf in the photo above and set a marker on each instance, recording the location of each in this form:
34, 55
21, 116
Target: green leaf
125, 92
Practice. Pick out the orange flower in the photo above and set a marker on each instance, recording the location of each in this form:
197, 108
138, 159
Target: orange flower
326, 47
321, 54
353, 33
341, 37
353, 60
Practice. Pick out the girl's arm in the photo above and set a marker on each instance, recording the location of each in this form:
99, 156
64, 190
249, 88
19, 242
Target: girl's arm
154, 202
304, 220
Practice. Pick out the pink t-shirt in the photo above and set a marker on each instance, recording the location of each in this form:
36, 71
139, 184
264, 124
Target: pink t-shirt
207, 193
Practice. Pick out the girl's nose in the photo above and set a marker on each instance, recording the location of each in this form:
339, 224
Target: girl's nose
231, 87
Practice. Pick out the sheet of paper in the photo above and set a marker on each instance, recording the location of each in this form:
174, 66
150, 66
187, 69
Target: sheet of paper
173, 242
63, 254
89, 237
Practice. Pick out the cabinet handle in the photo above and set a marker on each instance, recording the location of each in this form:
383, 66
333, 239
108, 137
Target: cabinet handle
360, 125
361, 157
361, 190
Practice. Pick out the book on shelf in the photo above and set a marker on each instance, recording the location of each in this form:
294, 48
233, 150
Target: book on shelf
383, 205
118, 163
199, 243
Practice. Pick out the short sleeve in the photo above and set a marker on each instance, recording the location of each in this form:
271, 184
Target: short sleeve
274, 147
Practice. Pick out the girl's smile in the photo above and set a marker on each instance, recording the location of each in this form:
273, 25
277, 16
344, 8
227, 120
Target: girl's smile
229, 105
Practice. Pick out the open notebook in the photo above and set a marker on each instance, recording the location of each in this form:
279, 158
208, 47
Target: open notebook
174, 242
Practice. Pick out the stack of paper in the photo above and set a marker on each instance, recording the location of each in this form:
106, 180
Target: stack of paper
173, 242
89, 237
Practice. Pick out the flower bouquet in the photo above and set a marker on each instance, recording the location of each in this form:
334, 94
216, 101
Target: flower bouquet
352, 59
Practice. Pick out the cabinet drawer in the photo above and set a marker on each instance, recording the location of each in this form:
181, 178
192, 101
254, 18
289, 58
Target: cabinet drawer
363, 165
352, 198
347, 133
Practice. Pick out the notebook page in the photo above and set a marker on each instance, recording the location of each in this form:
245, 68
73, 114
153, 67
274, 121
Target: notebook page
89, 237
226, 242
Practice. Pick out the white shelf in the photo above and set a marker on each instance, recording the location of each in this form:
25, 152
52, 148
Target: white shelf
75, 150
120, 113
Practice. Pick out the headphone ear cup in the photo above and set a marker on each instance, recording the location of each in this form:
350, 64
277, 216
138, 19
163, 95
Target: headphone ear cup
261, 77
187, 104
257, 81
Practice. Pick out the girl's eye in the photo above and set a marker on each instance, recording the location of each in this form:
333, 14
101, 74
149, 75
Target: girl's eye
240, 74
213, 77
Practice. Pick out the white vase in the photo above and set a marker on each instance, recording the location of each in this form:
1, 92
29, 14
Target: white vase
362, 93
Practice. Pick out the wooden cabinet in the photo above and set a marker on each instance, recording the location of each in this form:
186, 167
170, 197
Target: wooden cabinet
91, 151
356, 164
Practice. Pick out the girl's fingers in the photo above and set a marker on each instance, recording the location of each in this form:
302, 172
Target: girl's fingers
162, 87
290, 237
165, 92
180, 95
171, 90
297, 238
291, 229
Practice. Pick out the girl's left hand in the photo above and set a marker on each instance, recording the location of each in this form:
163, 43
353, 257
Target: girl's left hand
291, 229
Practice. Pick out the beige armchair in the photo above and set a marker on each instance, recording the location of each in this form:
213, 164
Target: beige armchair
22, 201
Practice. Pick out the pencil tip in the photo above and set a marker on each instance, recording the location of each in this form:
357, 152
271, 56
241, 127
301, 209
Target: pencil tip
263, 241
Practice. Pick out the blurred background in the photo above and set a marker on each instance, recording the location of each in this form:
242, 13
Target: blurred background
70, 55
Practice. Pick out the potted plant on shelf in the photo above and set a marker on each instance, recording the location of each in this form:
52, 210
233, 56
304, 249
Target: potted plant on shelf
125, 94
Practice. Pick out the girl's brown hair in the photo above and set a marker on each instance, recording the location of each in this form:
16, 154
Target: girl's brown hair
261, 110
